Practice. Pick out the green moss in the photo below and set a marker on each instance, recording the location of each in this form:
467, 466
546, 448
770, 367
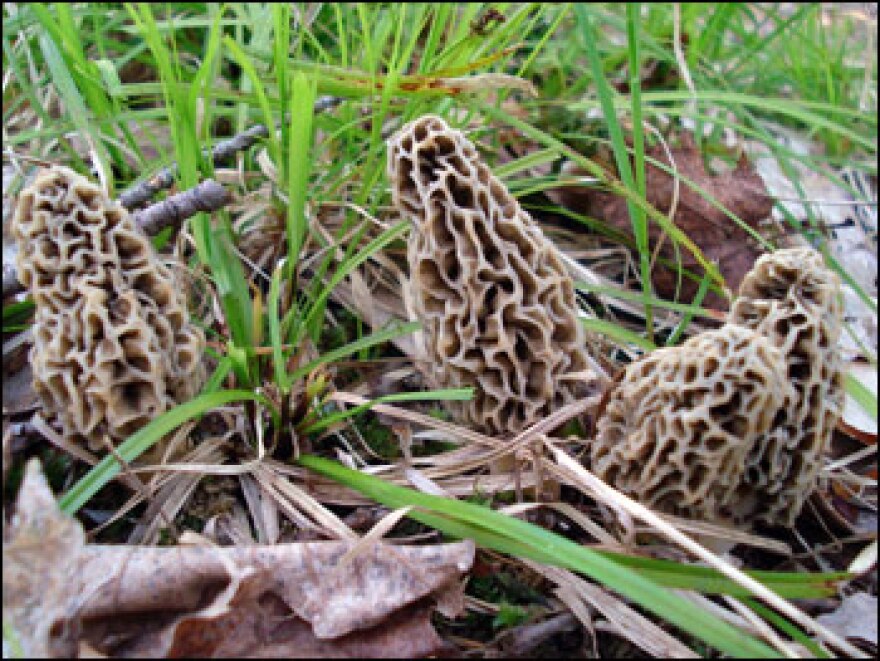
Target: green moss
510, 615
479, 498
380, 438
340, 333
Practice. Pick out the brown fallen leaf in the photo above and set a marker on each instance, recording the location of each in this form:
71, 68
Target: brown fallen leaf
247, 621
721, 239
264, 628
40, 563
330, 598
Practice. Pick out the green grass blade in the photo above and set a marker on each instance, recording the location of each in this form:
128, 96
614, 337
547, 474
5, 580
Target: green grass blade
618, 333
789, 585
17, 315
448, 394
621, 155
539, 544
143, 439
633, 11
12, 639
213, 383
864, 397
531, 160
282, 380
281, 53
682, 325
595, 170
302, 103
232, 287
801, 111
787, 627
317, 306
74, 103
85, 78
626, 295
241, 58
187, 151
392, 331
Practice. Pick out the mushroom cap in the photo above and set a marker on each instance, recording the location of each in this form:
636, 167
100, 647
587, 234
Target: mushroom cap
733, 423
793, 299
497, 305
679, 425
113, 346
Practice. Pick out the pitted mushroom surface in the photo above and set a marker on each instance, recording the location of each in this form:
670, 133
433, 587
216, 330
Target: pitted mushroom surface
113, 345
793, 299
733, 423
497, 306
679, 425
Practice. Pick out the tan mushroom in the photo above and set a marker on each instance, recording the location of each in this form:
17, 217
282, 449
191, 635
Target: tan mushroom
497, 306
113, 346
732, 424
793, 299
678, 426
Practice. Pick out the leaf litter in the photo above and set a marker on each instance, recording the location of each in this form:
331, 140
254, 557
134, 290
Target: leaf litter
296, 600
740, 190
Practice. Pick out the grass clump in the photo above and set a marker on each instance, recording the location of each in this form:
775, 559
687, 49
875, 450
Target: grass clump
299, 280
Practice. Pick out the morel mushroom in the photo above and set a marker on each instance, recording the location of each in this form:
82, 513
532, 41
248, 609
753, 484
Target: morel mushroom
732, 424
792, 298
497, 306
678, 425
113, 346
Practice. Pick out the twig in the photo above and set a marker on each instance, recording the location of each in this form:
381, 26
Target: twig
207, 196
145, 190
219, 153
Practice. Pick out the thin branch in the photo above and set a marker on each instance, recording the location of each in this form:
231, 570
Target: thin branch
221, 152
207, 196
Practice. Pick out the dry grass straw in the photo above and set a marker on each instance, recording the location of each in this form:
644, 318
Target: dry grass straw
594, 486
264, 511
445, 472
303, 509
168, 493
448, 470
578, 593
172, 491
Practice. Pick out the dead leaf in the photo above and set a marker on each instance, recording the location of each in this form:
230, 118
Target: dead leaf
855, 618
264, 628
41, 547
291, 600
722, 240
